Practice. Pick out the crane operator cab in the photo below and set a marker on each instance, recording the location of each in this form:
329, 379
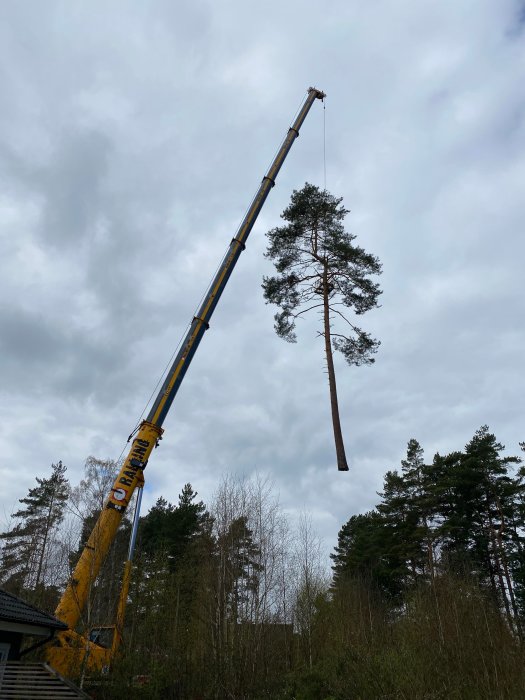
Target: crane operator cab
72, 654
102, 636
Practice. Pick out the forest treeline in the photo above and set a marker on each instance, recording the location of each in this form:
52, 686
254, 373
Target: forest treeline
426, 598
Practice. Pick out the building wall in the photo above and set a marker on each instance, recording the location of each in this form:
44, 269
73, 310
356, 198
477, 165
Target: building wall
14, 640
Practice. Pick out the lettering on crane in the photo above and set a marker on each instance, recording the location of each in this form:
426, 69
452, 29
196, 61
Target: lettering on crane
136, 461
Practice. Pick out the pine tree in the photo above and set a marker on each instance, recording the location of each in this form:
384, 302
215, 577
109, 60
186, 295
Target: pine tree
170, 528
319, 267
421, 538
517, 556
473, 501
446, 514
366, 552
400, 522
28, 544
493, 513
237, 559
175, 548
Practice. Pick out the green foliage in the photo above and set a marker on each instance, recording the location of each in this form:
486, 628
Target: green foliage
448, 642
314, 256
462, 514
319, 267
402, 619
366, 551
170, 529
237, 557
427, 598
26, 553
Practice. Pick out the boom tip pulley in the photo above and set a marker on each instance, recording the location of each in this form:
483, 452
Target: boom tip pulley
318, 93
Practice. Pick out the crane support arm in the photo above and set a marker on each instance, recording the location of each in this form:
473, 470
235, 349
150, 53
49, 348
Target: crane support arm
150, 431
130, 476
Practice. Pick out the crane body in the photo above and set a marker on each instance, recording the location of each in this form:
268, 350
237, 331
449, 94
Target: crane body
70, 649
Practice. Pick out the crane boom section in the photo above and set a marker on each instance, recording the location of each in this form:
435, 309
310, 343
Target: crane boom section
200, 323
150, 431
130, 476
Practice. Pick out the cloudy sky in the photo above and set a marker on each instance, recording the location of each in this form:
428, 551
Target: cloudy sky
133, 137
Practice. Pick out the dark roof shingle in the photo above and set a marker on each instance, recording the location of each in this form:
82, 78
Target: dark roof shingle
13, 609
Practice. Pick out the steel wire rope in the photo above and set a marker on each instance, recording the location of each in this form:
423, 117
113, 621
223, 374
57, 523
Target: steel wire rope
177, 348
170, 361
160, 379
285, 136
324, 140
206, 292
166, 368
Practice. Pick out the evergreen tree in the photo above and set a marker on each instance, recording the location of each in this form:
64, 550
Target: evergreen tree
517, 556
448, 523
171, 588
319, 267
420, 536
493, 513
238, 561
400, 522
463, 514
365, 552
27, 546
406, 513
170, 528
475, 502
175, 548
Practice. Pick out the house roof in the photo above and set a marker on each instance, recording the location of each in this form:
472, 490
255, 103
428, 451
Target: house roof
13, 609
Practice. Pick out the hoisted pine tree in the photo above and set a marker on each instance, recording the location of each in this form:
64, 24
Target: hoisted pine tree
319, 267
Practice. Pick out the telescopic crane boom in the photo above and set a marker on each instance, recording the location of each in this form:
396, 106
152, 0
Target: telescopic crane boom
150, 430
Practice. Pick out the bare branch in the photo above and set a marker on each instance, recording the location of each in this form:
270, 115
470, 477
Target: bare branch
305, 310
336, 311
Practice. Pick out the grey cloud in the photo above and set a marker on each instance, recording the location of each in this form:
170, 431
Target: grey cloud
26, 337
131, 145
45, 357
72, 188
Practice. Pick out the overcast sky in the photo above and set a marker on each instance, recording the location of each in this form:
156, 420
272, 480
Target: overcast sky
133, 137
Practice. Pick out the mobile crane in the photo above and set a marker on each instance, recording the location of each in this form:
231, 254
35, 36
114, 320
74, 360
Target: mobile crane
69, 650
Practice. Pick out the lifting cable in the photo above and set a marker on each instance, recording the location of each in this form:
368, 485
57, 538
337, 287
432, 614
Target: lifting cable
168, 365
170, 361
324, 140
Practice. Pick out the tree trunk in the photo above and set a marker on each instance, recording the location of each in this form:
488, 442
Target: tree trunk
508, 578
44, 543
338, 435
498, 568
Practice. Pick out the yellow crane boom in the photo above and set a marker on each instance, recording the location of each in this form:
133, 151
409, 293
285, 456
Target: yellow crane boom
149, 433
